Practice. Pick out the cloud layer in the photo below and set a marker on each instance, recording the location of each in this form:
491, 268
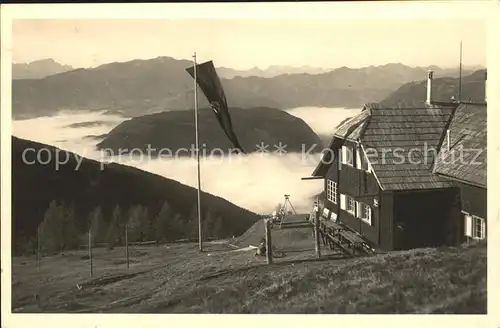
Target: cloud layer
256, 182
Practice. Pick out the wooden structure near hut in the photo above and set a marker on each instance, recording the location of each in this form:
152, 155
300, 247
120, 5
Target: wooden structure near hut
338, 237
462, 159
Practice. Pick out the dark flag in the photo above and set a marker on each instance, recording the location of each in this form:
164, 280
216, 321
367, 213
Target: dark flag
209, 83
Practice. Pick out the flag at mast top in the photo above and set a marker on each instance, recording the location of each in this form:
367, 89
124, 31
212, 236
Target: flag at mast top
209, 83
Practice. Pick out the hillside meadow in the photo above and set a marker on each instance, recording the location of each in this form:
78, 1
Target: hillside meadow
177, 278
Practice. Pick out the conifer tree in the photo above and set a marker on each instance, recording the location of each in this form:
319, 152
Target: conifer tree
50, 230
218, 228
178, 227
144, 223
191, 225
97, 225
136, 225
162, 223
70, 232
115, 231
149, 231
207, 223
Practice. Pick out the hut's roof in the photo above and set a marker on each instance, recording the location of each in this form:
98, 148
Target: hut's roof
465, 160
400, 141
350, 129
401, 144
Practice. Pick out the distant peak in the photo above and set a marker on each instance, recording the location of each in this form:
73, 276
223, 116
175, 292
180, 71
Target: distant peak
38, 61
46, 60
166, 58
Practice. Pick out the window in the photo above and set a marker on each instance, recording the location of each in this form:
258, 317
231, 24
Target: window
475, 227
331, 191
348, 204
351, 205
366, 213
478, 228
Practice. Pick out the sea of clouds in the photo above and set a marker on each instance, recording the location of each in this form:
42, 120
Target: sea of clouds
256, 182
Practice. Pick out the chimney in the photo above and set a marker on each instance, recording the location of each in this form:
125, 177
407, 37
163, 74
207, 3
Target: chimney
429, 87
485, 85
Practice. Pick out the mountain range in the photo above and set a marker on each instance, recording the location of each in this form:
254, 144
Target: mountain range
271, 71
277, 70
443, 89
139, 87
38, 69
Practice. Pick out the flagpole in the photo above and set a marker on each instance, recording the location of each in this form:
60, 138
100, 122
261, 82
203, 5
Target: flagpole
200, 241
460, 75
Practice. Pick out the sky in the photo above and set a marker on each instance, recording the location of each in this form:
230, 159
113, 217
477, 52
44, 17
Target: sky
247, 43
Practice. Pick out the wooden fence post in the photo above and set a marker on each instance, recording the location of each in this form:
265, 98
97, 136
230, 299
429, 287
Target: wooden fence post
38, 255
126, 244
90, 253
269, 244
316, 232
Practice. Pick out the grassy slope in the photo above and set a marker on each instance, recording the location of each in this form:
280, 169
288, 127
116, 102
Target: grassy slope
180, 279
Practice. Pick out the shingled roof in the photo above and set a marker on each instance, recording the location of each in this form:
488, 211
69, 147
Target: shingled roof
466, 159
400, 142
351, 129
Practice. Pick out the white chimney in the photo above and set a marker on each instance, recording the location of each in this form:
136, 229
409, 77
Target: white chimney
485, 85
429, 87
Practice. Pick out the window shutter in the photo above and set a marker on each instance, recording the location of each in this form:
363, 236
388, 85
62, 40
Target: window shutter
370, 214
358, 209
365, 160
342, 201
359, 164
468, 226
344, 155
